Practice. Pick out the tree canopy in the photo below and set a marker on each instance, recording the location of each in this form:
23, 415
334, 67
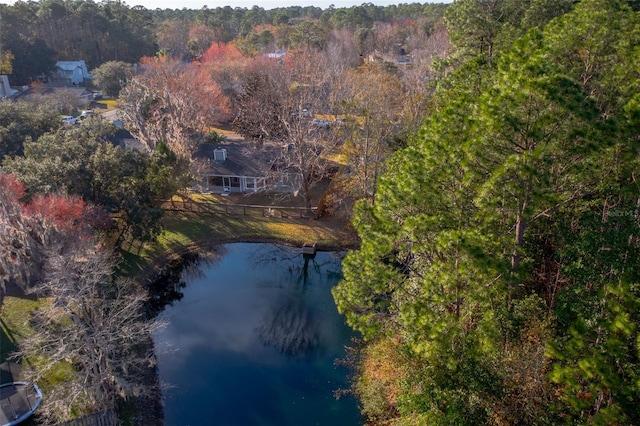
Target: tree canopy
499, 253
82, 161
496, 281
37, 34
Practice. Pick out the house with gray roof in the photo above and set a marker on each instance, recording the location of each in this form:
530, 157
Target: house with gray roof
237, 167
75, 72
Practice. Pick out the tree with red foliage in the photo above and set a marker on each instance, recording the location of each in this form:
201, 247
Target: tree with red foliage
227, 67
12, 188
28, 230
220, 52
64, 213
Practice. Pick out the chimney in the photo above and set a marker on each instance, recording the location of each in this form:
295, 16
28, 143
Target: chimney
219, 154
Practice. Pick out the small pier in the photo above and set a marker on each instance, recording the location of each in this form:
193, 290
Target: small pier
309, 248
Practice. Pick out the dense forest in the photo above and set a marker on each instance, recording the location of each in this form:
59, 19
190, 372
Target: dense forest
37, 34
486, 152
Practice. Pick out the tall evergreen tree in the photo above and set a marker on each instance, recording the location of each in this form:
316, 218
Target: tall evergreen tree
491, 239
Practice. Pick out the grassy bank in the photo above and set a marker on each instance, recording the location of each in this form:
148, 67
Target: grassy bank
210, 220
217, 220
213, 219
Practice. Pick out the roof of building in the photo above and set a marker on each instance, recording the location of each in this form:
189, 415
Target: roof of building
277, 54
70, 65
243, 158
53, 87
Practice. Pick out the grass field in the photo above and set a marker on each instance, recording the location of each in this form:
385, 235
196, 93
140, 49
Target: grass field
216, 219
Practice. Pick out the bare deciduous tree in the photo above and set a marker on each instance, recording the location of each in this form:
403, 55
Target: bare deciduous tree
91, 343
288, 103
92, 328
63, 100
173, 102
20, 254
372, 102
340, 53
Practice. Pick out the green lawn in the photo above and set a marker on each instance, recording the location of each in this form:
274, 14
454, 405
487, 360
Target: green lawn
14, 322
15, 314
188, 229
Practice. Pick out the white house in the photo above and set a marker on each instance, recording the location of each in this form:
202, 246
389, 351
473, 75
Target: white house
75, 71
278, 54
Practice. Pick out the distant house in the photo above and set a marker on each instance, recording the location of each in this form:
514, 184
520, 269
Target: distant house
234, 167
75, 72
278, 54
400, 59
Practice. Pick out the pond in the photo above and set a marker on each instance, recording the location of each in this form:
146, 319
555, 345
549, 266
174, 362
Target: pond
254, 339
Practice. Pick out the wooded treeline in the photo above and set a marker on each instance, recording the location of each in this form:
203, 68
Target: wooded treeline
37, 34
498, 281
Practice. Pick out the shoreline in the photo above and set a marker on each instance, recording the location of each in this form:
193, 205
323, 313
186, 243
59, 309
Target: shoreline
160, 263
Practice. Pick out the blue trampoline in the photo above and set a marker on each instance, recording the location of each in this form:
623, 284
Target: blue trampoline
18, 399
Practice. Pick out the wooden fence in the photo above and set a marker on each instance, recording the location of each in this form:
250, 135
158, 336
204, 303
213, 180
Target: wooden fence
101, 418
241, 209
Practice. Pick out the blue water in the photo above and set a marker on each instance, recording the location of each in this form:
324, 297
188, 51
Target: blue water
254, 341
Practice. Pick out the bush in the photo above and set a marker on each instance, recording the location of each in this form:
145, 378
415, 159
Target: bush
215, 137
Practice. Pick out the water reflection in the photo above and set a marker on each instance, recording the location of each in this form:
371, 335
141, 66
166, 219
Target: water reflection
289, 324
297, 264
257, 328
166, 288
289, 327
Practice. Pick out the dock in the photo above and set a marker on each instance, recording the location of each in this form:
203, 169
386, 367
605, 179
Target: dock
309, 248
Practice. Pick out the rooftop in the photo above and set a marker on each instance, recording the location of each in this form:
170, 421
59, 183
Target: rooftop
243, 158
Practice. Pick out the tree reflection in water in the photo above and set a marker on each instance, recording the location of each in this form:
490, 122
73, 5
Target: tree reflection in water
289, 325
167, 285
257, 317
